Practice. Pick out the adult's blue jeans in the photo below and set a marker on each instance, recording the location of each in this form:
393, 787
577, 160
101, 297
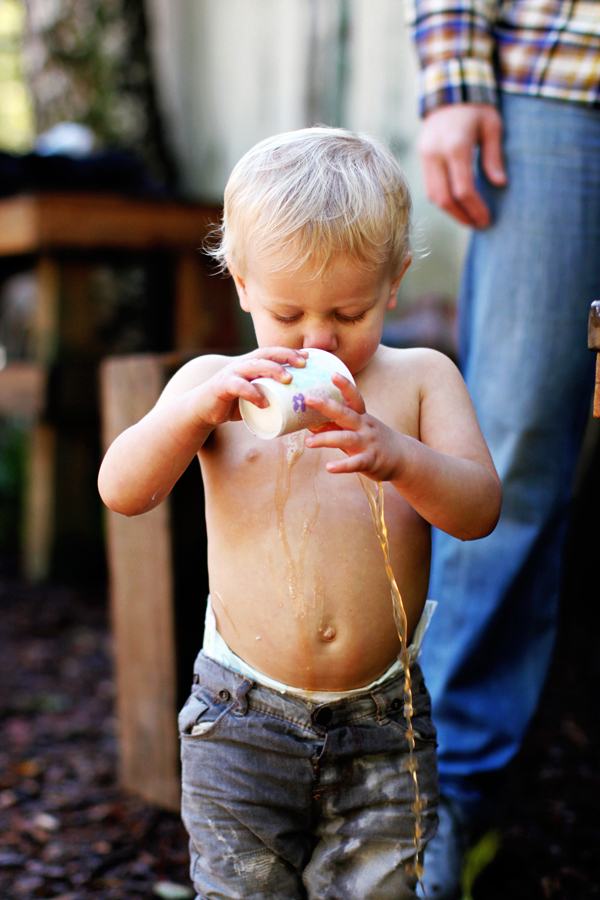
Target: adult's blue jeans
527, 286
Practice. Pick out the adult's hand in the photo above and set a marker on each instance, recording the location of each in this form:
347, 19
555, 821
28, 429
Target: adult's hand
448, 139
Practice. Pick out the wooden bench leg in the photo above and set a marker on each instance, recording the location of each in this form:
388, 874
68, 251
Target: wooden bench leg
39, 503
142, 605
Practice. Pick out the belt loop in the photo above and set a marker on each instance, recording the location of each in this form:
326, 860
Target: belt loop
380, 706
242, 701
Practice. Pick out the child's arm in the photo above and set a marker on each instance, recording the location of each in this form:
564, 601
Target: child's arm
447, 476
144, 462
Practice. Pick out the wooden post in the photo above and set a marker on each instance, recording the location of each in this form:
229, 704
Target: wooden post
39, 502
204, 305
142, 604
594, 344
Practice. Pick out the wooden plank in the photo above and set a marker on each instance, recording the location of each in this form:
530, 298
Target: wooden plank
594, 344
38, 525
18, 225
40, 491
46, 319
194, 317
594, 326
204, 306
94, 221
142, 604
23, 389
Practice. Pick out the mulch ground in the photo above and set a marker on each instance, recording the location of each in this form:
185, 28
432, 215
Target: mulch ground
67, 831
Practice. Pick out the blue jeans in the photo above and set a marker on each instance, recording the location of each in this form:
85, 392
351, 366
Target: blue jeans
285, 800
527, 286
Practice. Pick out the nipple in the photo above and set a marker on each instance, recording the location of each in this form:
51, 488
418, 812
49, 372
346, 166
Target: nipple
328, 634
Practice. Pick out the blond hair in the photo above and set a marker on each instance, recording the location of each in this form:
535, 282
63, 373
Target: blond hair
312, 195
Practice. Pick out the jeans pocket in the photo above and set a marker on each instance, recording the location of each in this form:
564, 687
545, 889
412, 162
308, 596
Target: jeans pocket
202, 716
190, 715
425, 732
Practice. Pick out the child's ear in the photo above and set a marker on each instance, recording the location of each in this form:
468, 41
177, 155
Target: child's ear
240, 285
393, 298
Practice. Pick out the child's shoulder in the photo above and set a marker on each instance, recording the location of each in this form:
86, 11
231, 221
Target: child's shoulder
406, 388
416, 364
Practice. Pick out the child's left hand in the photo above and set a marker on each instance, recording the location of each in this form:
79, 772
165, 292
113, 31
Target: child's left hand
371, 447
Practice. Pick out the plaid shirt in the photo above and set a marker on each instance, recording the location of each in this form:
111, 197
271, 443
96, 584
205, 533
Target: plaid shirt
542, 48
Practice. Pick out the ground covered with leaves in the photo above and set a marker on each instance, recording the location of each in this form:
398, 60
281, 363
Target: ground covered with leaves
67, 831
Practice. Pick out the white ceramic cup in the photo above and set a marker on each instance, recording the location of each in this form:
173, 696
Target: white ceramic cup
287, 410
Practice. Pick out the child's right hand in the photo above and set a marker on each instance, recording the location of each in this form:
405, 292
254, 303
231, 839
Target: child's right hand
220, 393
144, 462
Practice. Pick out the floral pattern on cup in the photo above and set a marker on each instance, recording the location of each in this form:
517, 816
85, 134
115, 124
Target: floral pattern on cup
299, 404
287, 410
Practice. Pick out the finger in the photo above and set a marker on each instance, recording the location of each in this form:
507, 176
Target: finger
326, 426
283, 355
462, 185
335, 439
263, 368
438, 189
352, 396
359, 462
492, 160
239, 388
337, 412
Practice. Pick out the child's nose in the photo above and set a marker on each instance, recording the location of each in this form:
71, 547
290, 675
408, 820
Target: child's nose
322, 337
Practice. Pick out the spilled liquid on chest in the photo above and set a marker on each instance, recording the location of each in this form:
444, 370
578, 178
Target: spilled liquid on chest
291, 448
374, 492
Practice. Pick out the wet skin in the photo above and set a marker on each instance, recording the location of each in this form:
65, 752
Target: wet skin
297, 578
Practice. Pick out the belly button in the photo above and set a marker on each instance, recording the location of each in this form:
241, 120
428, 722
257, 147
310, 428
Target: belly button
328, 634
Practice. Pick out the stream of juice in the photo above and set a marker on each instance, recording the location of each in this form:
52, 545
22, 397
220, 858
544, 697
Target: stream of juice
291, 451
374, 492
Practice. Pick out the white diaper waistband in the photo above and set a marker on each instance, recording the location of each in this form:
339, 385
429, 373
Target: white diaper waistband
216, 648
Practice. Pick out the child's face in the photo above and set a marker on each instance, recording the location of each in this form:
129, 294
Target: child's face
341, 311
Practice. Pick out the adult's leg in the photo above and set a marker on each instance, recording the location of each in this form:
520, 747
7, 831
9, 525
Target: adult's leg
527, 287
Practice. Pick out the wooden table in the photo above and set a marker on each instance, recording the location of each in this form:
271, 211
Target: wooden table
63, 234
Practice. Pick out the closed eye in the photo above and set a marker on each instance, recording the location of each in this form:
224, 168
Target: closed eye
287, 320
351, 320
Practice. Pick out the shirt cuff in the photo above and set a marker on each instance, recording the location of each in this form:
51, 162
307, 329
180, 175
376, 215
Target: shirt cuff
459, 80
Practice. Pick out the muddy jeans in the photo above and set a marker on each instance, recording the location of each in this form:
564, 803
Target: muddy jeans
287, 800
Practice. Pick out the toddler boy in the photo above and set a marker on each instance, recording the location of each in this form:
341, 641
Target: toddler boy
294, 752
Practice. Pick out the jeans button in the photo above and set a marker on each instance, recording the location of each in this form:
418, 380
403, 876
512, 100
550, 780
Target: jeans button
396, 704
323, 716
224, 695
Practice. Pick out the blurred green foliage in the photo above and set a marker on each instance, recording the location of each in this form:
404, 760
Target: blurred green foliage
16, 114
